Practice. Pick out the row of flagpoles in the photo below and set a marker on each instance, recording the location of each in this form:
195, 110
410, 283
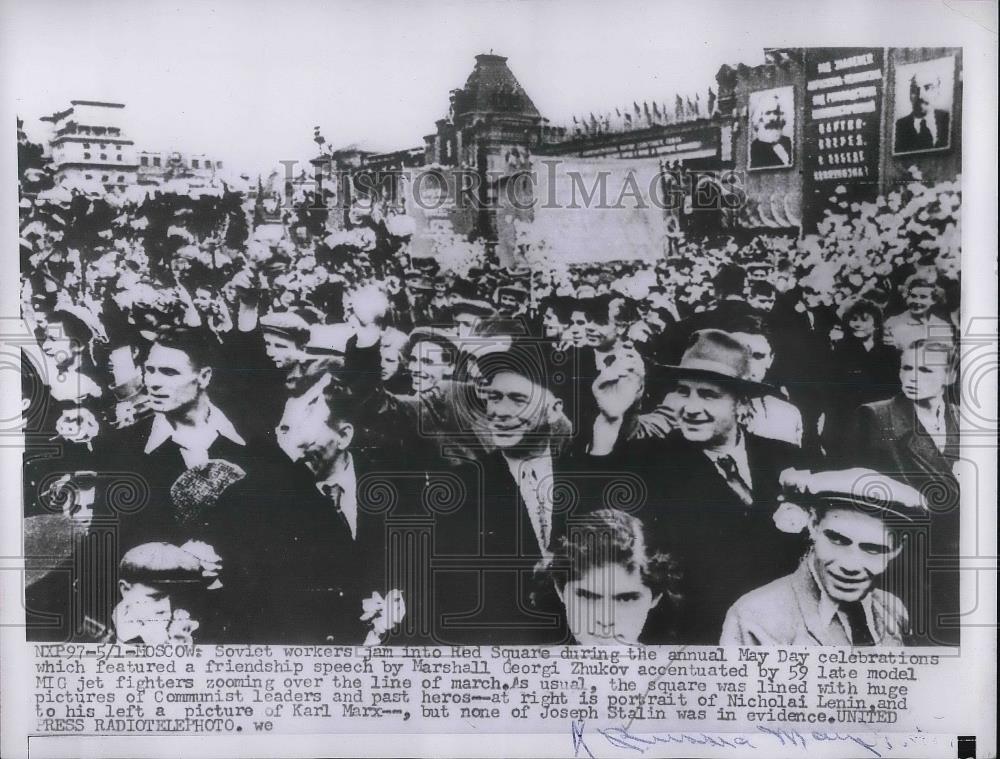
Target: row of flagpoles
646, 115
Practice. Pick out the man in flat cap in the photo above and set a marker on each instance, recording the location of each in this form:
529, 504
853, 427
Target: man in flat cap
285, 335
831, 599
466, 313
163, 590
512, 299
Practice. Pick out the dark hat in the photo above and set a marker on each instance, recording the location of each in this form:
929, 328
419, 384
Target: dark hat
561, 304
430, 335
526, 358
419, 282
472, 306
718, 356
518, 291
862, 489
286, 324
425, 264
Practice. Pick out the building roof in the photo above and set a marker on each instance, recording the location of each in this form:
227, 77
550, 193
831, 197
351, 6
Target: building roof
492, 87
100, 103
59, 115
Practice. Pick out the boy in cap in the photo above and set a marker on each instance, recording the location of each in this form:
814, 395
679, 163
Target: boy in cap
285, 335
831, 599
162, 589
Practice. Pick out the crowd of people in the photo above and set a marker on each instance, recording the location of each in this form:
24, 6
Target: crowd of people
277, 432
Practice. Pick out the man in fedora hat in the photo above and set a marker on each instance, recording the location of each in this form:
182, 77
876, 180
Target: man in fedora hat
709, 488
467, 313
831, 599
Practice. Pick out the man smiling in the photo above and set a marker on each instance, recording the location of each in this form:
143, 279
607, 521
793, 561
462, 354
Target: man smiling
510, 528
831, 599
708, 489
252, 523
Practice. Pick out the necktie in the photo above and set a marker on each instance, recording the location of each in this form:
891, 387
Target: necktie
734, 479
529, 478
860, 634
334, 493
924, 133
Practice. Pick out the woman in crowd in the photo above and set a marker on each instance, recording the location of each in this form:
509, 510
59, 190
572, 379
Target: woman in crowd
914, 437
610, 580
866, 369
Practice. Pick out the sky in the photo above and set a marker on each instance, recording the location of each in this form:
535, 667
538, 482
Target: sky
247, 81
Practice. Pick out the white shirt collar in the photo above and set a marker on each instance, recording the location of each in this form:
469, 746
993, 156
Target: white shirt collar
215, 425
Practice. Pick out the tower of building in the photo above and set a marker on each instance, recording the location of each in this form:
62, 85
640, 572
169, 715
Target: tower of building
90, 146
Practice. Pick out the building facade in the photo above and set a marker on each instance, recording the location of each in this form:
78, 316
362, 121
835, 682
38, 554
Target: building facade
89, 145
762, 154
156, 167
846, 116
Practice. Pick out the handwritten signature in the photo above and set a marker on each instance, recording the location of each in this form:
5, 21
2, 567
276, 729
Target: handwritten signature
621, 737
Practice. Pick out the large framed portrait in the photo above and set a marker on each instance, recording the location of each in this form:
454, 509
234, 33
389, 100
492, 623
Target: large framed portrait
771, 129
925, 93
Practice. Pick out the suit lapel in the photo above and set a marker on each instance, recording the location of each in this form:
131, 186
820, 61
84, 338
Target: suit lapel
915, 439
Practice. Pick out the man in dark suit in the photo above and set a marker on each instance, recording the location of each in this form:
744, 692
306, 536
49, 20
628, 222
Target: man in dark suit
914, 437
202, 479
770, 148
729, 285
709, 489
487, 551
925, 127
363, 497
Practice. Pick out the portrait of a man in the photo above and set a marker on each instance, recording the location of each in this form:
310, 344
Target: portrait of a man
924, 96
772, 125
